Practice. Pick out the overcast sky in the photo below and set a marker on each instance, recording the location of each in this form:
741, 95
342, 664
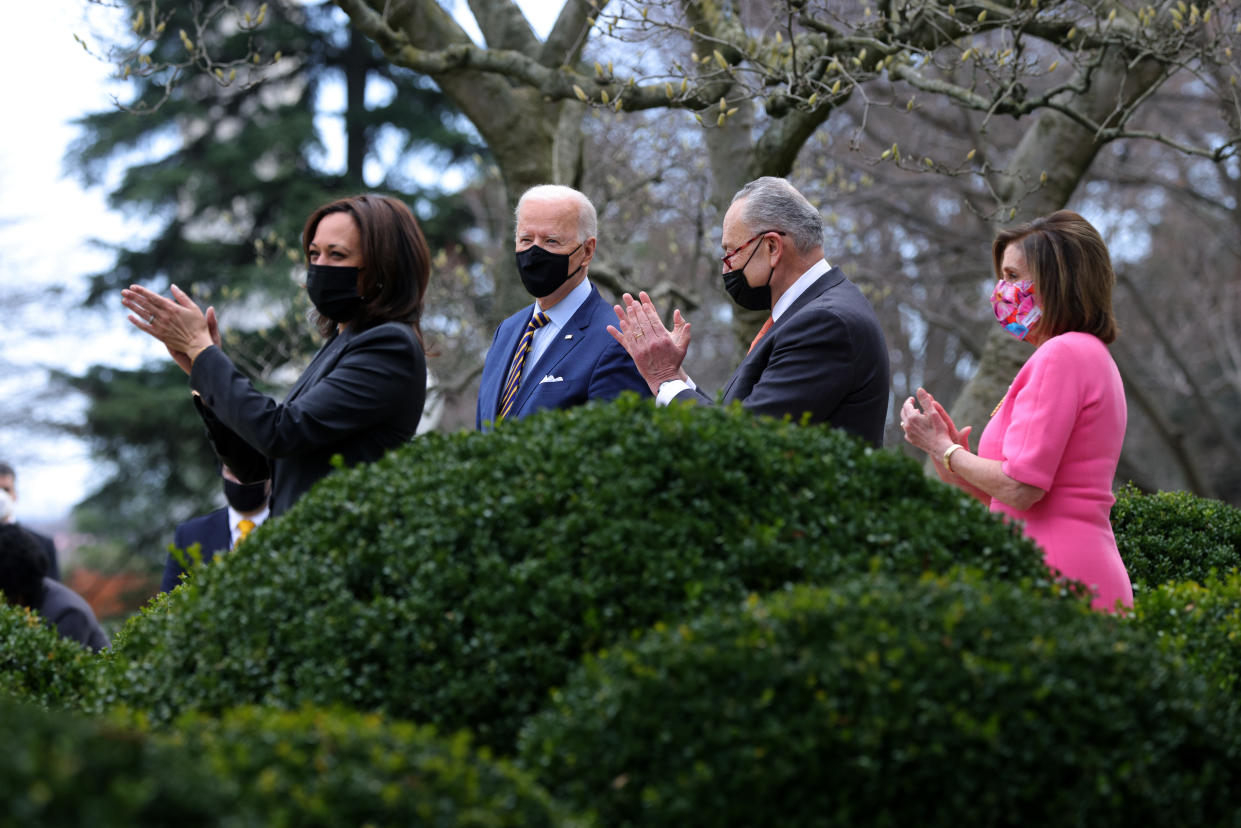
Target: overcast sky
46, 223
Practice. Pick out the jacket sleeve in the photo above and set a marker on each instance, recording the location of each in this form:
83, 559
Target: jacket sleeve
373, 376
245, 462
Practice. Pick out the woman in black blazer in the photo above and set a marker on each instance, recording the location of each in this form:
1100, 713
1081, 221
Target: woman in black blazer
363, 392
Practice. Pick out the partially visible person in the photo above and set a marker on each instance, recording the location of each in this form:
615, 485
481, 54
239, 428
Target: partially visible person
555, 353
47, 547
1048, 456
363, 392
222, 529
821, 353
23, 583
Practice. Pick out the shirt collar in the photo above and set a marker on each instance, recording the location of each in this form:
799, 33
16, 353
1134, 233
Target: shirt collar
235, 517
561, 312
799, 287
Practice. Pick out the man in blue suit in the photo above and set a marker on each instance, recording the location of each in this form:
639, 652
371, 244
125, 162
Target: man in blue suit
222, 529
555, 353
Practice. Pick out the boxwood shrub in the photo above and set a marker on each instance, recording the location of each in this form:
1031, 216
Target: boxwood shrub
255, 768
40, 667
1202, 622
460, 578
952, 702
1174, 536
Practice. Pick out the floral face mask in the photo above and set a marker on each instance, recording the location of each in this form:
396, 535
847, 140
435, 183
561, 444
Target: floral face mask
1015, 306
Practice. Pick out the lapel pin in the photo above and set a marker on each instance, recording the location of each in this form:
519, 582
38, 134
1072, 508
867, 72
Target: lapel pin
568, 336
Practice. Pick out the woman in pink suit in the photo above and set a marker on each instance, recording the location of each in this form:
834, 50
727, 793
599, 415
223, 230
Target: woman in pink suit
1049, 453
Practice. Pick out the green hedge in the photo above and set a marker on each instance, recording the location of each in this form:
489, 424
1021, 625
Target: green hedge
1174, 536
459, 579
38, 666
255, 768
1202, 622
947, 703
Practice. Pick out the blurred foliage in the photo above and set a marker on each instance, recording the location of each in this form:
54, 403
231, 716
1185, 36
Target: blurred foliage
39, 667
1171, 537
254, 768
956, 701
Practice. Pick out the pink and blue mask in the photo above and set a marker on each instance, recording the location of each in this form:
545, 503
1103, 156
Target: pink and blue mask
1015, 306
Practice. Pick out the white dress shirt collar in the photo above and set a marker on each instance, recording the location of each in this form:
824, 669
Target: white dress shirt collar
558, 316
799, 287
561, 312
235, 517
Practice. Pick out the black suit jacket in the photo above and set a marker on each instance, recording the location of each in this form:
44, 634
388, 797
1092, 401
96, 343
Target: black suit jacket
210, 531
826, 355
361, 395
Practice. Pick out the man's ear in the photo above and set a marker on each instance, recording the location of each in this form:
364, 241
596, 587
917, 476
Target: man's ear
776, 249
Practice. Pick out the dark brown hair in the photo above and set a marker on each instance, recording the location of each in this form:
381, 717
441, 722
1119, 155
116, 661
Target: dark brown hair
396, 264
1072, 273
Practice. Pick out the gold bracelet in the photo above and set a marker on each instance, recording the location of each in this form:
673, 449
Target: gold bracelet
948, 456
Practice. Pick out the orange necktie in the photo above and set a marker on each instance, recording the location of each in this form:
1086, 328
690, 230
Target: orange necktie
244, 528
766, 327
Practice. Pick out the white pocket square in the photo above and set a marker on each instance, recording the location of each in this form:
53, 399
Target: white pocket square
550, 378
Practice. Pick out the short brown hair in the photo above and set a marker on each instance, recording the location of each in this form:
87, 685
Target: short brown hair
1072, 273
396, 263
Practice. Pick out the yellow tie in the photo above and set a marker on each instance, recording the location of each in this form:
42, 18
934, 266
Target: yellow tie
244, 528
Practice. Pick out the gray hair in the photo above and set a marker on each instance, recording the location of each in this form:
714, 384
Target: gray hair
774, 204
587, 219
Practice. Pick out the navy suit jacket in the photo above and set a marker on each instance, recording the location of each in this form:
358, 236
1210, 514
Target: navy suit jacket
826, 356
213, 534
361, 395
584, 363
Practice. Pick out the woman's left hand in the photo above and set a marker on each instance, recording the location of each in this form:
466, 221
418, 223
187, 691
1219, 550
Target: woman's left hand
924, 428
181, 325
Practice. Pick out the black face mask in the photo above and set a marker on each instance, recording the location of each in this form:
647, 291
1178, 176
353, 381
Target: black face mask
245, 497
334, 291
750, 298
542, 272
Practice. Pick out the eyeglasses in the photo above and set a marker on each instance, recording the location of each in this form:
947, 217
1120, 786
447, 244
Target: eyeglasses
727, 257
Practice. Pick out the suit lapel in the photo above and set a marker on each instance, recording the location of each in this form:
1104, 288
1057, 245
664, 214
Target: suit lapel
320, 365
507, 338
567, 338
223, 532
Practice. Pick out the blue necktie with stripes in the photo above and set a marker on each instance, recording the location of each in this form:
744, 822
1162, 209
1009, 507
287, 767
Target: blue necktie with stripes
519, 359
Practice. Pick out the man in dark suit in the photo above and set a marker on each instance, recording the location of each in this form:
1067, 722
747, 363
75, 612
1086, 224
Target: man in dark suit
821, 353
47, 547
555, 353
222, 529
